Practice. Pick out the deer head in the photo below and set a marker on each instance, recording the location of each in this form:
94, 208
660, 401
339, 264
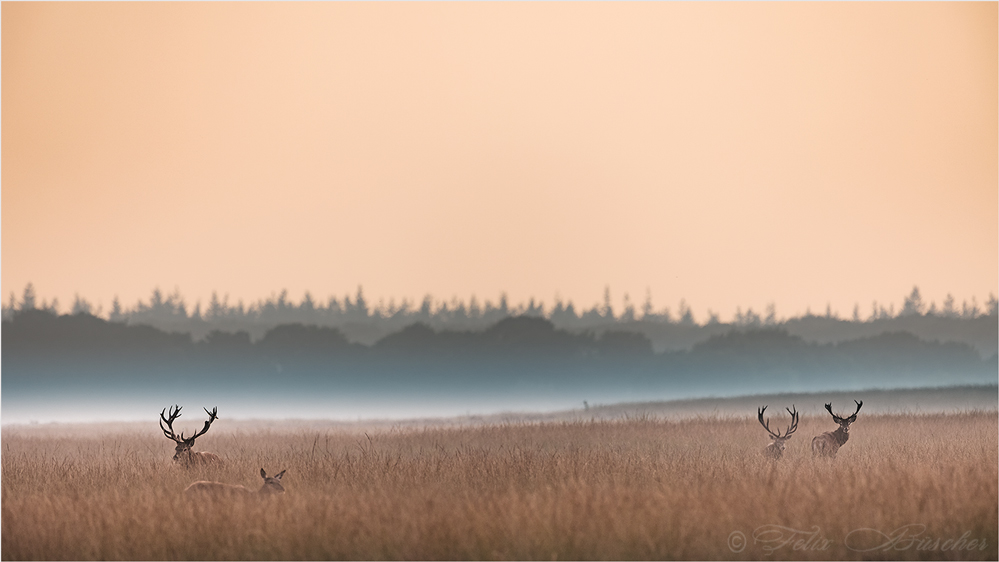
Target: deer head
184, 444
844, 423
776, 449
272, 484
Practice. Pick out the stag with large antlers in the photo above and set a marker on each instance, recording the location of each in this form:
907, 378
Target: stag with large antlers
775, 450
183, 455
827, 444
272, 485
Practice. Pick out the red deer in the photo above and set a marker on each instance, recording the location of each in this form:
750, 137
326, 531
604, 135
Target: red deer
827, 444
272, 485
183, 454
775, 450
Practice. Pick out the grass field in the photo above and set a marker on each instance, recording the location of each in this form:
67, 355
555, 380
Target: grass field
905, 486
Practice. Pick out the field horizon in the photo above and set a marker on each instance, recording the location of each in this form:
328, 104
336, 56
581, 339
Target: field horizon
942, 399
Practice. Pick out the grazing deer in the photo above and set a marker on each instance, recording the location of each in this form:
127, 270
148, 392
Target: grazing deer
775, 450
184, 456
827, 444
272, 485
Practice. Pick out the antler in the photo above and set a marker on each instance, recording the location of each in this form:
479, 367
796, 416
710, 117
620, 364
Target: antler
766, 424
790, 429
794, 421
174, 414
212, 416
859, 406
838, 419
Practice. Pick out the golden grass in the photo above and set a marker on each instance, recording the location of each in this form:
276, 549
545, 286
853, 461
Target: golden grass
632, 489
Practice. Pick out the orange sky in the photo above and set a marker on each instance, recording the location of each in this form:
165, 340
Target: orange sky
732, 154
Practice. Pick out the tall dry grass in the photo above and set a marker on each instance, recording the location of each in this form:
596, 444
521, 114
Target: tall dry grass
633, 489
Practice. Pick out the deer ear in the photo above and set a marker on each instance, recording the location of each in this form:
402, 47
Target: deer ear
279, 475
263, 474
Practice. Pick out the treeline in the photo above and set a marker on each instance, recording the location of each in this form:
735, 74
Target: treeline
171, 312
41, 349
668, 330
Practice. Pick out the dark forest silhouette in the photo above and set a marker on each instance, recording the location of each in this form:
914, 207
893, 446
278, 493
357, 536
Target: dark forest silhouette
43, 350
666, 329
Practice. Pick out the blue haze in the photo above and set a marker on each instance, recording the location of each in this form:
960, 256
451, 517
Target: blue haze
83, 368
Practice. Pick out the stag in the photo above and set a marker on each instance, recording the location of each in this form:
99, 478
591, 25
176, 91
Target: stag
183, 455
827, 444
272, 485
775, 450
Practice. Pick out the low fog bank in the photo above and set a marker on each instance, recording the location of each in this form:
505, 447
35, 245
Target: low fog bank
424, 394
119, 413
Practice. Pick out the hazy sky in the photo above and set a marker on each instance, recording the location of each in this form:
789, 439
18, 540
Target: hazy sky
732, 154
